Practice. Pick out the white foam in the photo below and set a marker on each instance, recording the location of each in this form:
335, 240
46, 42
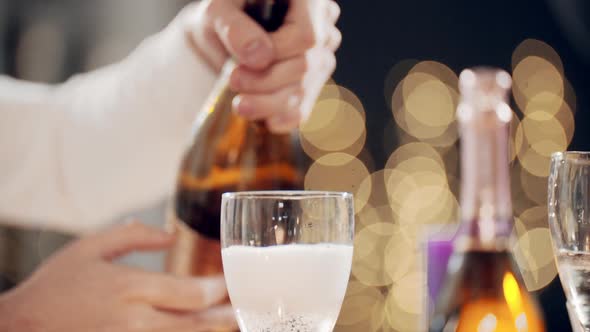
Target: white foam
287, 288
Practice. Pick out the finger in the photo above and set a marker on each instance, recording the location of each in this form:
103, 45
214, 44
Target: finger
334, 39
169, 292
123, 239
221, 318
244, 39
283, 123
303, 28
261, 106
333, 11
293, 39
278, 76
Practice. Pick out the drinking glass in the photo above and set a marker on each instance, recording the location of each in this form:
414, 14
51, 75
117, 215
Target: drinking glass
287, 257
569, 220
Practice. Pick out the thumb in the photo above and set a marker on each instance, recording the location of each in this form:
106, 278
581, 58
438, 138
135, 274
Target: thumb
124, 239
242, 37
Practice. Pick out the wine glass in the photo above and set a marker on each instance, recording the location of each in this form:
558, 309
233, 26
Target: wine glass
287, 257
569, 220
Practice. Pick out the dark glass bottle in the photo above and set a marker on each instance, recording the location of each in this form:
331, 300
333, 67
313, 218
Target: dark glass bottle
227, 154
483, 289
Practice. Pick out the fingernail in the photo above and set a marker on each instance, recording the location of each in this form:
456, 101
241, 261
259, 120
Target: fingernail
242, 106
257, 53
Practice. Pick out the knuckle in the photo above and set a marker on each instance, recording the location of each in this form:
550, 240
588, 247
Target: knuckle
304, 64
307, 37
335, 9
211, 7
330, 62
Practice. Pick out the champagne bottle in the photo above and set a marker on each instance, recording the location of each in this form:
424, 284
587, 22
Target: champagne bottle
483, 290
228, 153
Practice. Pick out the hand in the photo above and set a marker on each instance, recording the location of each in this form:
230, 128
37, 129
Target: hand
79, 289
279, 75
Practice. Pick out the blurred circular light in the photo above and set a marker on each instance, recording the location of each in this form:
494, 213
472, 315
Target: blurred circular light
362, 304
534, 255
409, 292
411, 150
369, 254
399, 318
334, 125
534, 187
401, 257
340, 172
539, 48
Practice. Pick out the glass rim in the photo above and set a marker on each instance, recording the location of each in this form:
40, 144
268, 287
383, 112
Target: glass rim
571, 155
286, 194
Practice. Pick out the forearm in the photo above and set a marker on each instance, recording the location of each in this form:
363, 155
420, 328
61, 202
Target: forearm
115, 137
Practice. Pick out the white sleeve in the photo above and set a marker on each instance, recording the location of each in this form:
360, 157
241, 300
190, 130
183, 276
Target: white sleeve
75, 156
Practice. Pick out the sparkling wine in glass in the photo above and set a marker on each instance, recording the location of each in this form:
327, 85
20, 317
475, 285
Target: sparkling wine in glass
569, 219
287, 258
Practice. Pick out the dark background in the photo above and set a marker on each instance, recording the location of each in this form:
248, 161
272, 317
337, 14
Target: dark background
377, 35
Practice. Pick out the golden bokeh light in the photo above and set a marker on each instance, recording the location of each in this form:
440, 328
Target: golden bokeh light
534, 217
395, 75
401, 256
538, 136
539, 83
362, 307
370, 215
399, 318
538, 48
411, 150
544, 133
415, 194
438, 70
369, 254
424, 103
334, 125
533, 186
340, 172
428, 207
409, 292
428, 101
534, 254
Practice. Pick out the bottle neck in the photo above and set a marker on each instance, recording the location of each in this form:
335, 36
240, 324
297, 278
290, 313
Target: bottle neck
486, 208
